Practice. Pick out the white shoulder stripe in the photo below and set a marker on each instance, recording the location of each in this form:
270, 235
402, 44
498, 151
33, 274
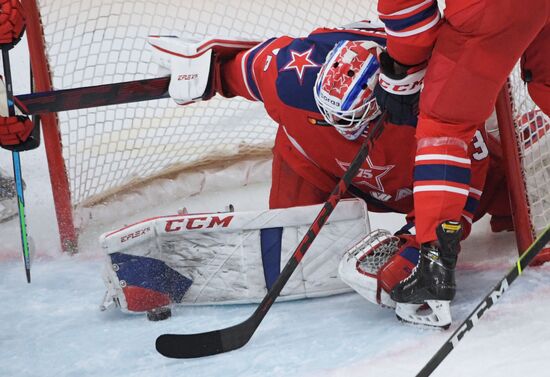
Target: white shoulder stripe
444, 157
426, 188
407, 10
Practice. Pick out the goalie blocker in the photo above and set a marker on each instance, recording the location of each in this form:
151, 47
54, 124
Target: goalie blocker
193, 64
226, 258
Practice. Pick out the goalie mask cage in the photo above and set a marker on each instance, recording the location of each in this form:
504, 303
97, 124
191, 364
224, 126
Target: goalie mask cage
95, 153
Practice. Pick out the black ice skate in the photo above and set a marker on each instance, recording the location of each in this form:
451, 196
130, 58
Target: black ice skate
432, 282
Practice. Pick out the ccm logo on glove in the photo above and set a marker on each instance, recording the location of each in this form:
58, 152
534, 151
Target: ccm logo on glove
399, 87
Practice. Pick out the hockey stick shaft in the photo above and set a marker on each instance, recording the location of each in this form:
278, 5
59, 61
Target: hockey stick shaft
93, 96
17, 170
231, 338
489, 300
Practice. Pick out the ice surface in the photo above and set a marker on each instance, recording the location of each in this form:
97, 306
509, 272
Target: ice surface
53, 327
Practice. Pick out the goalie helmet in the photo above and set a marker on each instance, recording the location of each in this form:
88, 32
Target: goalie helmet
344, 87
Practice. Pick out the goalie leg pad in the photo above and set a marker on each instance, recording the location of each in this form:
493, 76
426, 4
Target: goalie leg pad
236, 257
139, 284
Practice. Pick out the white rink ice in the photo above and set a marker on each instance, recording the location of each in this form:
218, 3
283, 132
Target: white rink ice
53, 327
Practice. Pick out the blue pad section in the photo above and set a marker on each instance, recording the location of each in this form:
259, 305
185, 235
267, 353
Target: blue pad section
412, 254
270, 239
152, 274
440, 172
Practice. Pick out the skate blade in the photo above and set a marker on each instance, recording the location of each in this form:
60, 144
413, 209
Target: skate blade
433, 314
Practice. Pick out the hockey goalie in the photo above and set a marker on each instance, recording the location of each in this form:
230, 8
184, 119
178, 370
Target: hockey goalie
319, 89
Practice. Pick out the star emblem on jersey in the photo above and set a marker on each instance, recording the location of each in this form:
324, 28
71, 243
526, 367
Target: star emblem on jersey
365, 177
299, 61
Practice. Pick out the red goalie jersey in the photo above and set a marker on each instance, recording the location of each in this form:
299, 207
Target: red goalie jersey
309, 154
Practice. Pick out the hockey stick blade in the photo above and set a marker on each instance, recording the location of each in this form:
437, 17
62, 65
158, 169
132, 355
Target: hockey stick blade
487, 302
184, 346
187, 346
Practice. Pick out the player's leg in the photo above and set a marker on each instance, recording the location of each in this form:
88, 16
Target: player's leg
471, 61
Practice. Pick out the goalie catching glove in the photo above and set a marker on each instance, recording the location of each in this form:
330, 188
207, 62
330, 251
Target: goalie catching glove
194, 65
378, 263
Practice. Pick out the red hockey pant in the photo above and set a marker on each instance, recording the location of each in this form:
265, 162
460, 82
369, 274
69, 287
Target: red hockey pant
473, 55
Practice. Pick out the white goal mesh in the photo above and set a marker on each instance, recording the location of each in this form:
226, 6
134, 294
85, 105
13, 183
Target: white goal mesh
533, 140
104, 41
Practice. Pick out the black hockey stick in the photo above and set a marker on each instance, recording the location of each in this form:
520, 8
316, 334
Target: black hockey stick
208, 343
489, 300
93, 96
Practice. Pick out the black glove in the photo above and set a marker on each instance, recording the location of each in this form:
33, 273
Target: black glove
405, 229
398, 90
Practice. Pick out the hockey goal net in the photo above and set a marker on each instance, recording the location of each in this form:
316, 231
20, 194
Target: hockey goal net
525, 139
94, 154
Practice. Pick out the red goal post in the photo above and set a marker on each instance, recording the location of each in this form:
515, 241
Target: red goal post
50, 130
93, 154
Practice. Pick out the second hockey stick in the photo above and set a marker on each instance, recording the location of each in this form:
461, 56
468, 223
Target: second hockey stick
208, 343
93, 96
489, 300
17, 170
